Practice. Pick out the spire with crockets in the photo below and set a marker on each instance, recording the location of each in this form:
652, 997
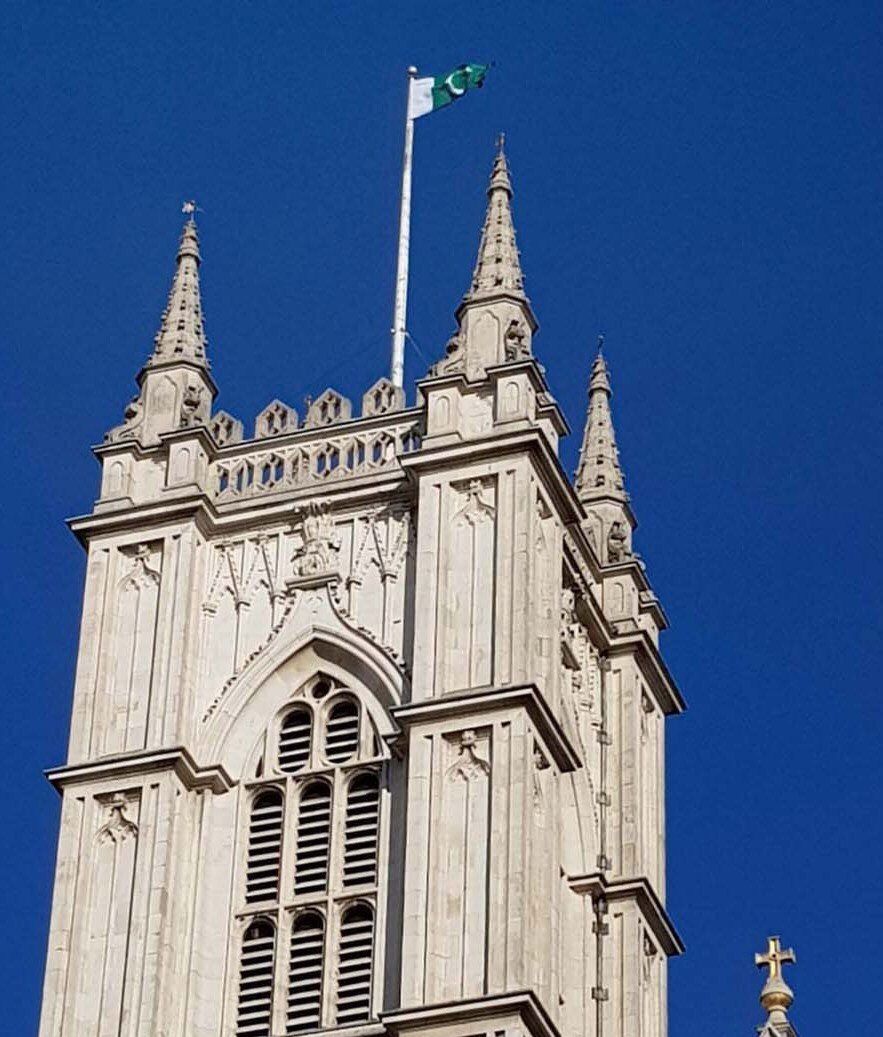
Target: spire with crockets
181, 334
495, 321
498, 268
599, 474
599, 479
175, 387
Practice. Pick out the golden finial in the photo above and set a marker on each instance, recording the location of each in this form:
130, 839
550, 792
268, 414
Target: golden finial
776, 996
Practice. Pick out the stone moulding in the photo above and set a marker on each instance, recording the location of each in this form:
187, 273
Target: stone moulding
493, 1013
152, 761
638, 889
460, 705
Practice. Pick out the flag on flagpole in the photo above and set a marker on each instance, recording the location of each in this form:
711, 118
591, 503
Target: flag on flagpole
434, 92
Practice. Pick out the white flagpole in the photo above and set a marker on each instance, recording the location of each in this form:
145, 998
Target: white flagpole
400, 311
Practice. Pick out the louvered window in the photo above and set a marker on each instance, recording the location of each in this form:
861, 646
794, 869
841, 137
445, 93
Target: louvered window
264, 847
294, 741
313, 839
360, 844
354, 960
305, 973
342, 731
255, 1004
312, 866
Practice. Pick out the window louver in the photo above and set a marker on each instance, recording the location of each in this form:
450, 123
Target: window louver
360, 846
354, 966
294, 741
264, 847
342, 731
305, 974
313, 838
254, 1007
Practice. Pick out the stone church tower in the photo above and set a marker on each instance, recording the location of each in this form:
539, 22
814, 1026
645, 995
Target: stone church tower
367, 730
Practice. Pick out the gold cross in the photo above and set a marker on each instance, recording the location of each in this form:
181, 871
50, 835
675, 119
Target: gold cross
775, 957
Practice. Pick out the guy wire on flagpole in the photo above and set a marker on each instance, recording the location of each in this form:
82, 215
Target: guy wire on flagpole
400, 310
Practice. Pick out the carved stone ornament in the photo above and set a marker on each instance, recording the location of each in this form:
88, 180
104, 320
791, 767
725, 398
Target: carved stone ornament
141, 574
617, 543
132, 418
476, 509
469, 764
117, 828
320, 541
515, 340
190, 406
224, 428
455, 356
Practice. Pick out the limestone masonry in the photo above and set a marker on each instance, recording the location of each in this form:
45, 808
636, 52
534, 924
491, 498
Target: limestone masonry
368, 725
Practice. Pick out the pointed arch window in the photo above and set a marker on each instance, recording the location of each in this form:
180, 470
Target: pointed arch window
312, 868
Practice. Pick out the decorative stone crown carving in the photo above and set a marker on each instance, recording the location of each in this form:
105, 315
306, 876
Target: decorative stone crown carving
328, 409
382, 398
225, 428
275, 419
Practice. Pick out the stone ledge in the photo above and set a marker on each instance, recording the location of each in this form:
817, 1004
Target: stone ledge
463, 704
128, 765
637, 889
495, 1012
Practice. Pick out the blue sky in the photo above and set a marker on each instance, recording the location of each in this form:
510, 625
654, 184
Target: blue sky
698, 180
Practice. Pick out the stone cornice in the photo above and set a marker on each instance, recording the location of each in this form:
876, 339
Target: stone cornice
640, 645
641, 891
246, 514
465, 1013
463, 704
176, 362
503, 444
135, 765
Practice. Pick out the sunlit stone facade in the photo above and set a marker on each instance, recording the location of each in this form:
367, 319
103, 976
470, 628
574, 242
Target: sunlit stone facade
368, 724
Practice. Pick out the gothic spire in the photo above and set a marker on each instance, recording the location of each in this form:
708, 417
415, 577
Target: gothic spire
598, 474
497, 268
181, 334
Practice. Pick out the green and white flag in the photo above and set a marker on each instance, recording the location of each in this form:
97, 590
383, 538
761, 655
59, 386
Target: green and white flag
434, 92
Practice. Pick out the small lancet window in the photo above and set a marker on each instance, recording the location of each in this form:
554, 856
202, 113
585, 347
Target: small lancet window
360, 843
264, 847
355, 956
295, 736
342, 731
305, 973
313, 839
255, 1004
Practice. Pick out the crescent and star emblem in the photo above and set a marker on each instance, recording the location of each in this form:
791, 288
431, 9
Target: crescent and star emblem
452, 87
